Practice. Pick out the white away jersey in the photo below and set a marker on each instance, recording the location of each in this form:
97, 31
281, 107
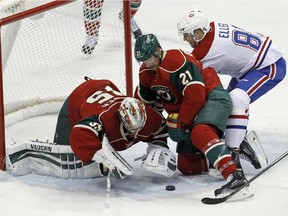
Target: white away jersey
234, 51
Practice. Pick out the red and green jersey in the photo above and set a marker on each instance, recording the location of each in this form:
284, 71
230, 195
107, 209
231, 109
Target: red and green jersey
180, 83
92, 111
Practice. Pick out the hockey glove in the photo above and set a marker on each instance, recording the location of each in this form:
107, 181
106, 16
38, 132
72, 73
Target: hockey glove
160, 160
112, 160
176, 128
107, 165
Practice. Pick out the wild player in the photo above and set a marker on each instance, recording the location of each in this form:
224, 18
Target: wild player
92, 10
97, 121
197, 105
253, 60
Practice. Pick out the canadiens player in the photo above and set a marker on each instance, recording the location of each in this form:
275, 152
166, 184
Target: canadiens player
197, 105
92, 11
253, 60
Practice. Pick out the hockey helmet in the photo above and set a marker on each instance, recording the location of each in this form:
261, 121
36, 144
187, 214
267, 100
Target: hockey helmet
193, 20
132, 114
146, 47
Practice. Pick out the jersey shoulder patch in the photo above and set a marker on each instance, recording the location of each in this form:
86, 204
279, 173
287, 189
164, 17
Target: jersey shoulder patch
93, 123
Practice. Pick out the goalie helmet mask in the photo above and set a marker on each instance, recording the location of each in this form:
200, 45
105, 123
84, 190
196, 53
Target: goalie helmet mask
146, 47
193, 20
132, 114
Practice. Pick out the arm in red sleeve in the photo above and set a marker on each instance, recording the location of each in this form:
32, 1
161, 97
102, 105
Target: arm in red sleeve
84, 142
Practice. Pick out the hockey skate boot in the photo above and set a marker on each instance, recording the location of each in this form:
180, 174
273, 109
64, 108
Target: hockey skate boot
89, 45
135, 29
247, 153
234, 181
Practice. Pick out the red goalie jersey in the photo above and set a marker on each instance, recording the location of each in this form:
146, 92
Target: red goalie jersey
93, 111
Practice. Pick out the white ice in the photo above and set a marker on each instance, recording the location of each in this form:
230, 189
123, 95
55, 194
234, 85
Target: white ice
144, 193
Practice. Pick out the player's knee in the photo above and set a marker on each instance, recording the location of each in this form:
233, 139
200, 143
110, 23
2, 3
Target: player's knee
202, 134
240, 100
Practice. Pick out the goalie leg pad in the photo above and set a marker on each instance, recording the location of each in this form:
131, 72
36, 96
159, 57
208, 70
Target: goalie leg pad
47, 159
17, 163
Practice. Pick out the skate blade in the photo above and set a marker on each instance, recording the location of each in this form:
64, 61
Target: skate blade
243, 194
258, 148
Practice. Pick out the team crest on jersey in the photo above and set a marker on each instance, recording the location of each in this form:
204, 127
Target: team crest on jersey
164, 93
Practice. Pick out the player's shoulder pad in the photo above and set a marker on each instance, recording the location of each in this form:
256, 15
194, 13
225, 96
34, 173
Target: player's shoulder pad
173, 60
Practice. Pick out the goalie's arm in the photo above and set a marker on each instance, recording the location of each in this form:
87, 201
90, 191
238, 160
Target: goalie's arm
84, 142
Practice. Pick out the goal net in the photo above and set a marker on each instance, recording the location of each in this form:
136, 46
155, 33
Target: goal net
41, 53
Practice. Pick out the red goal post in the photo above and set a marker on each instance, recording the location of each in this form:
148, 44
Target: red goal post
13, 64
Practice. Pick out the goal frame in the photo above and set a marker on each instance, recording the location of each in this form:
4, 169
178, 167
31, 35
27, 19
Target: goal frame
43, 8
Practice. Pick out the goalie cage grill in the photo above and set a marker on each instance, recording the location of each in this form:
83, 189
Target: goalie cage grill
41, 59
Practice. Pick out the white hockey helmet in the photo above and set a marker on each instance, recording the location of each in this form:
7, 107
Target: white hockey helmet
193, 20
132, 114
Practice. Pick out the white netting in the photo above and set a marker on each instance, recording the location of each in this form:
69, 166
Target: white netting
45, 63
8, 7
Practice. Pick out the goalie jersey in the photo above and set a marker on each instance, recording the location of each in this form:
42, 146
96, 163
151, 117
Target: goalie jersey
92, 112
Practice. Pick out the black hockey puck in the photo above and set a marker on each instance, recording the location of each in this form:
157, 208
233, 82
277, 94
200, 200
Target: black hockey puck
170, 187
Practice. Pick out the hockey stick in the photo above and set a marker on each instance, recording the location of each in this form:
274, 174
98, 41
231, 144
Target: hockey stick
108, 187
212, 201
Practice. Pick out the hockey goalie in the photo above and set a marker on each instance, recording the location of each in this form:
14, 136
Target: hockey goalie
94, 124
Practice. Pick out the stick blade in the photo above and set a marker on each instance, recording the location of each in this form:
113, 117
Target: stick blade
213, 201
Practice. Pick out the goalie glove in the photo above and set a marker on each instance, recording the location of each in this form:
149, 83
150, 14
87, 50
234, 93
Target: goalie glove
176, 129
106, 165
160, 160
115, 172
113, 161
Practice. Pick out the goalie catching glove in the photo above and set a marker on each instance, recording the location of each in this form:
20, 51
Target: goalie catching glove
113, 161
177, 131
159, 160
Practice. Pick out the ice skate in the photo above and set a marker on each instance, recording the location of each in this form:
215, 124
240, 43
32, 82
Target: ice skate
89, 45
234, 181
245, 152
254, 142
134, 27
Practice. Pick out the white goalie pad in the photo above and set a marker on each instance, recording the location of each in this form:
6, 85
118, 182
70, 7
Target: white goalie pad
255, 143
49, 159
112, 159
160, 160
